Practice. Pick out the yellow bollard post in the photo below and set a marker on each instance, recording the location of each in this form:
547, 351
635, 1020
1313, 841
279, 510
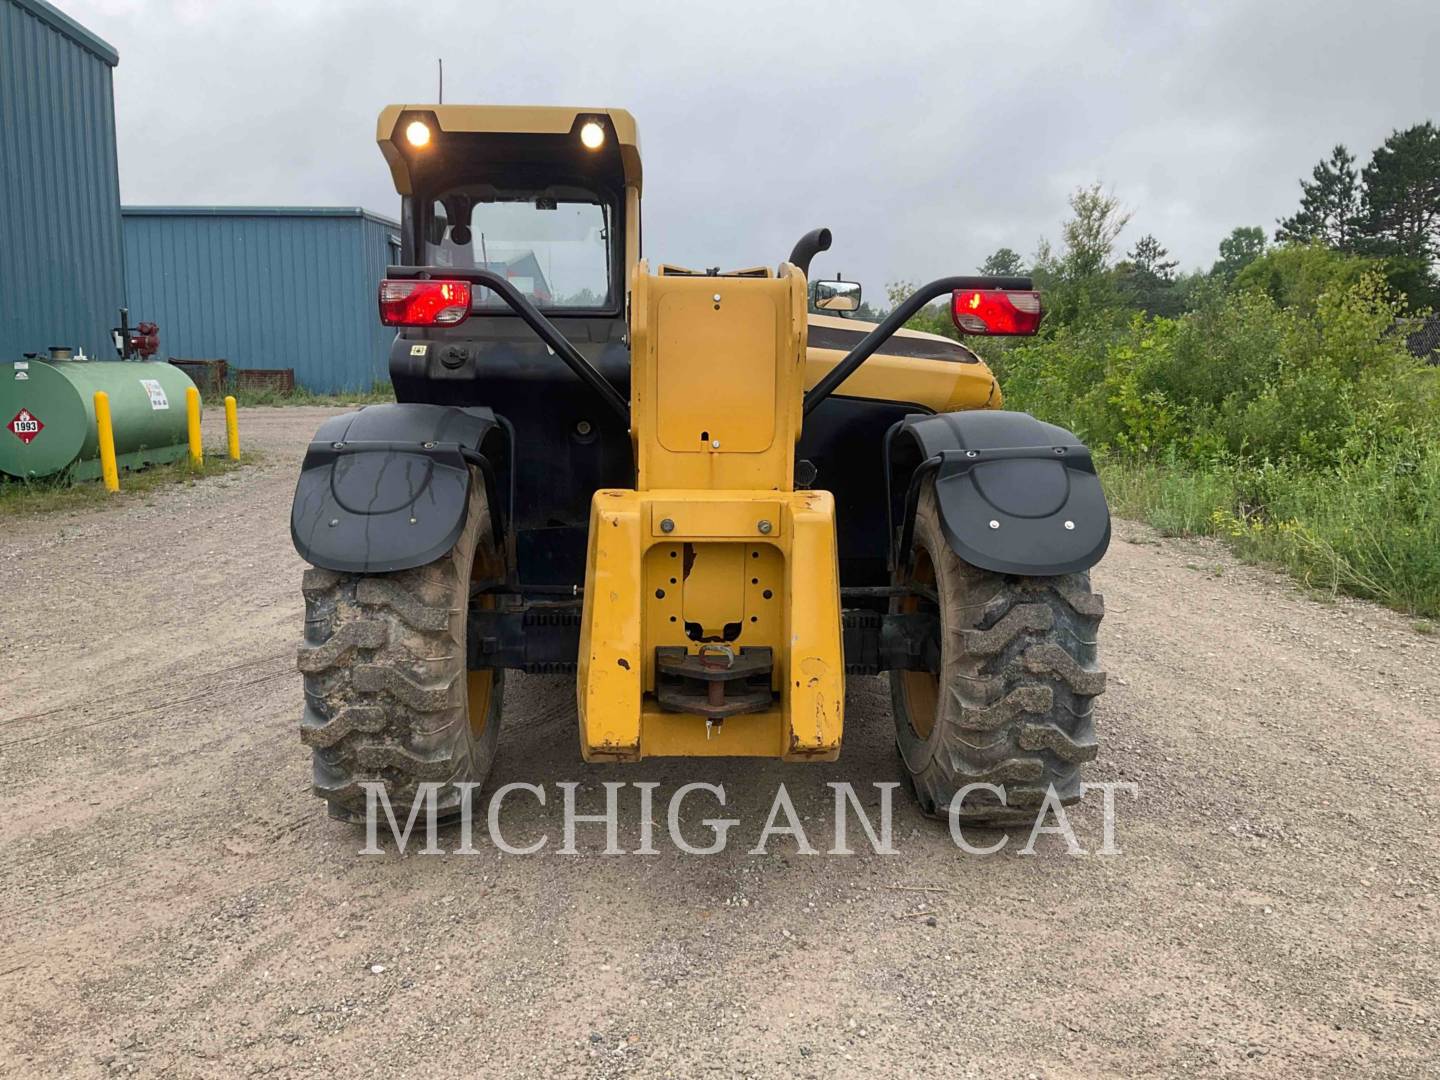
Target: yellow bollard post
192, 416
107, 441
232, 428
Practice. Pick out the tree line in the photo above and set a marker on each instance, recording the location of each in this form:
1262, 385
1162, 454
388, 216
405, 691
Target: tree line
1383, 217
1270, 399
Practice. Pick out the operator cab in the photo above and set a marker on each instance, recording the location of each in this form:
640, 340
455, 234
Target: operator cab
548, 199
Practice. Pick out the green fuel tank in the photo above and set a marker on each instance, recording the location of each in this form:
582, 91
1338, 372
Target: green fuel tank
47, 414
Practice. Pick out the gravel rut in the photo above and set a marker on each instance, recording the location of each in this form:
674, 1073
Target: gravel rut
173, 902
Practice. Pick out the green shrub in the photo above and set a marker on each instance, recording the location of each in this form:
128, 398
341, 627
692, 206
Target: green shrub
1296, 275
1297, 427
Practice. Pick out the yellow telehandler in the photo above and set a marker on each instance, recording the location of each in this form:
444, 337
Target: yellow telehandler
710, 495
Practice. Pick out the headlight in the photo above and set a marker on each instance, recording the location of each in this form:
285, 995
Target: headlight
592, 135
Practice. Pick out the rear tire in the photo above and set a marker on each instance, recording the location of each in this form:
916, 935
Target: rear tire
387, 694
1013, 705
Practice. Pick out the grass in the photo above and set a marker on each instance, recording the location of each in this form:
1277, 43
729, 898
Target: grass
380, 391
1369, 528
52, 494
1176, 502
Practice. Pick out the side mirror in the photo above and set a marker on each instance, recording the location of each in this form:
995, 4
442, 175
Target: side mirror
837, 295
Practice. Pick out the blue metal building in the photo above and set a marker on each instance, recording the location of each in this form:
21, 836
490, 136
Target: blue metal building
265, 287
62, 278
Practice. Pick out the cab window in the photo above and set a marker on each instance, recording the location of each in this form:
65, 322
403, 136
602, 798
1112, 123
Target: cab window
552, 244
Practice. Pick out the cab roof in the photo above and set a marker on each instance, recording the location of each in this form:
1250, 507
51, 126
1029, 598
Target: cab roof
502, 120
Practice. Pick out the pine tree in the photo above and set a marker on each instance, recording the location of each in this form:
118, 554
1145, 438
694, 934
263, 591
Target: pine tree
1402, 195
1329, 205
1146, 278
1149, 258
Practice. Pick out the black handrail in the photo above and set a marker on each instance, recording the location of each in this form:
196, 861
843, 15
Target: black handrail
894, 321
588, 374
542, 326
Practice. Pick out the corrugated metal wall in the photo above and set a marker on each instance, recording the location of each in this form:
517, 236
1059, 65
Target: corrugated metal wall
265, 287
62, 275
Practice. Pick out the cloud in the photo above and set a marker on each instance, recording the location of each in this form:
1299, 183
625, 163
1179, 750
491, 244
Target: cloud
924, 135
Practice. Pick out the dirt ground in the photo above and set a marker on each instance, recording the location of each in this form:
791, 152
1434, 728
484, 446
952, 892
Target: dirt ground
174, 902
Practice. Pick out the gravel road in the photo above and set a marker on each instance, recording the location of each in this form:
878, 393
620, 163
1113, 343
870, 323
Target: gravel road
174, 902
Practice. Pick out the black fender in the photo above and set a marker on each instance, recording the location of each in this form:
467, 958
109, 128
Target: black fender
386, 488
1017, 495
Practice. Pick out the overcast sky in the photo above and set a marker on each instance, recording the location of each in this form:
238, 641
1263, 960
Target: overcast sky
925, 135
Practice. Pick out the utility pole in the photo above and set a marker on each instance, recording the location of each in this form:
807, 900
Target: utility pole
440, 65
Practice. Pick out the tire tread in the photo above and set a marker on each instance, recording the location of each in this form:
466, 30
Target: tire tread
1019, 677
384, 671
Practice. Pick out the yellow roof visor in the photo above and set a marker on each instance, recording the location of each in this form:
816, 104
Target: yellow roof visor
432, 145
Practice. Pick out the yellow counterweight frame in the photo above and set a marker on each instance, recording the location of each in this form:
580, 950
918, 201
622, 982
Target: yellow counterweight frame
782, 587
714, 543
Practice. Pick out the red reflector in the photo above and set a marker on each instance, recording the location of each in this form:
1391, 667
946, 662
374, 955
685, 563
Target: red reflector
996, 311
424, 303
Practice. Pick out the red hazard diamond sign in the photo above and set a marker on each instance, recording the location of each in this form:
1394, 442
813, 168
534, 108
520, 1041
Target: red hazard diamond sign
25, 426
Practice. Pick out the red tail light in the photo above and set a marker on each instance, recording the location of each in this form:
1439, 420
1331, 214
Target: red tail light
424, 303
996, 311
